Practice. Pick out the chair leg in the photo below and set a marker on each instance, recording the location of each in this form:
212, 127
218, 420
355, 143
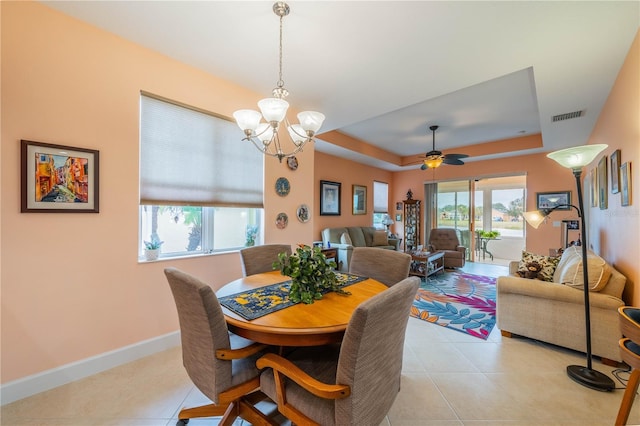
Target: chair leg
209, 410
628, 397
245, 409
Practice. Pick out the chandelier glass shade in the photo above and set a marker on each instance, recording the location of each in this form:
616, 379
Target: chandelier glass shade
265, 134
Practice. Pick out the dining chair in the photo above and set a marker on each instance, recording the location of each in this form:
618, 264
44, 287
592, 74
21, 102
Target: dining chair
386, 266
352, 383
629, 318
220, 364
258, 259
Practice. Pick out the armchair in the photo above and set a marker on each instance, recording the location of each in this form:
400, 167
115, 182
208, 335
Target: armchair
446, 240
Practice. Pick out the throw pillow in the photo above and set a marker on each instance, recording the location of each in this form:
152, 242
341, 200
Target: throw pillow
532, 271
345, 239
547, 265
380, 238
572, 273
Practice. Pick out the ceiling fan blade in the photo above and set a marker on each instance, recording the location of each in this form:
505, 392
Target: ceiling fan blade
455, 156
452, 161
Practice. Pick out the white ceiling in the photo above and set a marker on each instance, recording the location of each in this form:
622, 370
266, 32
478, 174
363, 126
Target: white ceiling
384, 71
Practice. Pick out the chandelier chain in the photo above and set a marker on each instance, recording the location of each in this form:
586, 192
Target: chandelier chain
280, 81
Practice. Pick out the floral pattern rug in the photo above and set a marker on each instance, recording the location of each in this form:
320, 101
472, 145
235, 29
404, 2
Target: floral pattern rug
458, 301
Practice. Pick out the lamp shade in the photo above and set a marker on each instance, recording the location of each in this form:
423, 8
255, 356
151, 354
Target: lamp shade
247, 119
534, 218
387, 220
296, 132
264, 132
577, 157
311, 121
273, 109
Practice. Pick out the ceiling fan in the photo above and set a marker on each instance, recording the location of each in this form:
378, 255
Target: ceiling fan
433, 159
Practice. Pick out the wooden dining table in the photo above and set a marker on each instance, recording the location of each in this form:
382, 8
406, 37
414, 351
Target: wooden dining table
319, 323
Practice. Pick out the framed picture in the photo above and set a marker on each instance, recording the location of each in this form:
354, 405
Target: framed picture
398, 217
58, 178
625, 184
359, 199
559, 200
615, 171
399, 205
593, 187
602, 183
330, 193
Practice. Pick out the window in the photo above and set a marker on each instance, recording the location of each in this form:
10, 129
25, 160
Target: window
200, 186
380, 203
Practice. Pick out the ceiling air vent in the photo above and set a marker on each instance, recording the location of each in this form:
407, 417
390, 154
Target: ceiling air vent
567, 116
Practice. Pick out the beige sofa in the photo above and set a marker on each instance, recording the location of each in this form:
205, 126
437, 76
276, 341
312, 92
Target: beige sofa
553, 312
346, 238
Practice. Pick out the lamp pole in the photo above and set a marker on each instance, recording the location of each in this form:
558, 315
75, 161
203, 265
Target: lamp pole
587, 376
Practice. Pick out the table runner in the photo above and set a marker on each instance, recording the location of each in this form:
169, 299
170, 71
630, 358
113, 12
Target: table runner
262, 301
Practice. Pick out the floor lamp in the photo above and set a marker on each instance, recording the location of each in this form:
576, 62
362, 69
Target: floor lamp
575, 159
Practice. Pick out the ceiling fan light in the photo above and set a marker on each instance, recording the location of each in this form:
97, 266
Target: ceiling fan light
433, 163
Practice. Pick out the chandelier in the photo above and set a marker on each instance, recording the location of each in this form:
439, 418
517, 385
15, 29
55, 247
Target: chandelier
264, 135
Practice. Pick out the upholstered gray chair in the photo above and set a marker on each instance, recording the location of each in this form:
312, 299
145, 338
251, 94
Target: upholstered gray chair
220, 364
258, 259
353, 383
446, 240
386, 266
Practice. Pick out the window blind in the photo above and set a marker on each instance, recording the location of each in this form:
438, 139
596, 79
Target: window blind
189, 157
380, 197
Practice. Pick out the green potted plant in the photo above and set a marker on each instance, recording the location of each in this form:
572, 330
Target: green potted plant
311, 274
152, 248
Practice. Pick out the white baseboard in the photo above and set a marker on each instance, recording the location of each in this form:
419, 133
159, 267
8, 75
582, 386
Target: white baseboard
40, 382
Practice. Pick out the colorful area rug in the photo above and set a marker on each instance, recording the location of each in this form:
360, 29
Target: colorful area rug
458, 301
262, 301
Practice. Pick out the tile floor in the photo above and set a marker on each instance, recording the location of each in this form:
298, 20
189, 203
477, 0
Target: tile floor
448, 378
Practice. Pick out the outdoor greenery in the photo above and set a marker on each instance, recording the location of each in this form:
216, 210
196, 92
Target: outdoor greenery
311, 274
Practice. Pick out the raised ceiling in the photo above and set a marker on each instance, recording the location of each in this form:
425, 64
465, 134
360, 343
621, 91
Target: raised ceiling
384, 71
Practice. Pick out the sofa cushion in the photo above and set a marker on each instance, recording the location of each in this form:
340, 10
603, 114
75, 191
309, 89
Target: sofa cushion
345, 238
357, 236
548, 265
570, 272
380, 238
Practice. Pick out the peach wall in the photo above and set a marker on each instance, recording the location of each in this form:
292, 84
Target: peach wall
348, 173
616, 230
71, 284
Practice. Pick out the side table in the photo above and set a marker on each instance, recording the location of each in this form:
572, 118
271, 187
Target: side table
331, 254
426, 264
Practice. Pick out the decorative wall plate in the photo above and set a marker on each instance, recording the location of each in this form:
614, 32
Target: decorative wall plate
282, 220
292, 162
283, 187
303, 213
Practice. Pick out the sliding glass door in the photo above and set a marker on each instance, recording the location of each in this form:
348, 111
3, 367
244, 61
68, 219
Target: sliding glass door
486, 214
454, 209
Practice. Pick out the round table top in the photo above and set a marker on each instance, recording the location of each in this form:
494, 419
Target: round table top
319, 323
